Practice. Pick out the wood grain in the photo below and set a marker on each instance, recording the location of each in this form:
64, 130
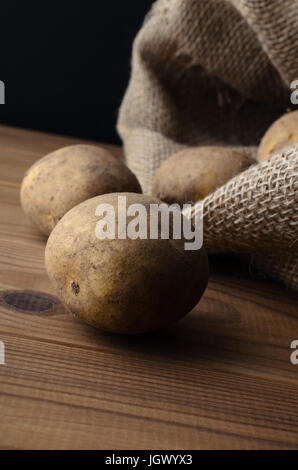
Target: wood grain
220, 379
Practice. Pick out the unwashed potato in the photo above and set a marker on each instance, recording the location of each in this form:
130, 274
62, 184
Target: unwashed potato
191, 174
68, 176
282, 134
122, 285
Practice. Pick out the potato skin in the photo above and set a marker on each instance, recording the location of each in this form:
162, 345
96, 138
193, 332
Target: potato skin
68, 176
122, 286
282, 134
190, 175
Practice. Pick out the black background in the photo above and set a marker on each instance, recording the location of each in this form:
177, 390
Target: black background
66, 64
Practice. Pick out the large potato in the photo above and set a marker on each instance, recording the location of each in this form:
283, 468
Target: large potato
281, 134
68, 176
122, 285
191, 174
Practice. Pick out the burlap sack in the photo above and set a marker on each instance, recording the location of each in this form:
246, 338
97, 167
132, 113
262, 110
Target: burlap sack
215, 72
256, 213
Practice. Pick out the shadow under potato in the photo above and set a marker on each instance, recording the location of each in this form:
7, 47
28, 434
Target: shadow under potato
202, 336
216, 331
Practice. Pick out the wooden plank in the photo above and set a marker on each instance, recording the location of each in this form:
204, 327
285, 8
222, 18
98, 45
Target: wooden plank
219, 379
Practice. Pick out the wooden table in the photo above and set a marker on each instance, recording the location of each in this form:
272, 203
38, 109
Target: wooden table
219, 379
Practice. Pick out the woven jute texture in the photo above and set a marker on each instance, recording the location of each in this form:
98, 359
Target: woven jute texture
213, 72
256, 213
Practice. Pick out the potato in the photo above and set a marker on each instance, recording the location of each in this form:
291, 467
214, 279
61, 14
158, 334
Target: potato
122, 285
280, 135
191, 174
68, 176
